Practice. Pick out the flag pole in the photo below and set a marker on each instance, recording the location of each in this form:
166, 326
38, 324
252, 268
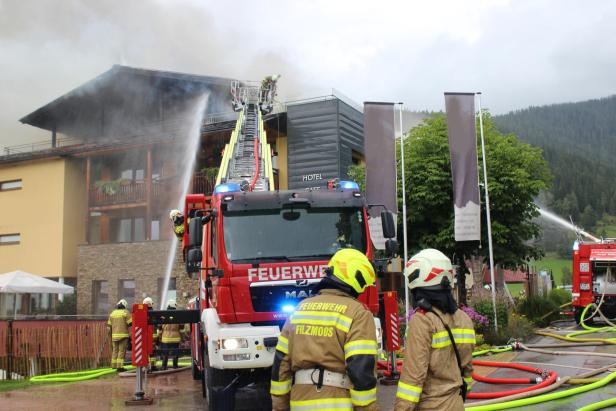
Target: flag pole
489, 220
406, 280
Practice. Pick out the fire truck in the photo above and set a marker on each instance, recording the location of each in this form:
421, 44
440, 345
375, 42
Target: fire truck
594, 276
257, 252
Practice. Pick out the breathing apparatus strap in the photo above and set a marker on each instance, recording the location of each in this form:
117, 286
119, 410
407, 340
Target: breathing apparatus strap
464, 386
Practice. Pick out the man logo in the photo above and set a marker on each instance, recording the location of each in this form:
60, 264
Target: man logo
297, 294
301, 283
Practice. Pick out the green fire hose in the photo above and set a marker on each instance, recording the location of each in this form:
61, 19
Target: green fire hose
598, 405
546, 397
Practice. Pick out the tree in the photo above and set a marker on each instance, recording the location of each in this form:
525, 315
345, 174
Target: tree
588, 219
517, 173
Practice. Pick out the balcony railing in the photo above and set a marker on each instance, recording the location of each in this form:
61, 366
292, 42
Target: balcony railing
125, 192
203, 184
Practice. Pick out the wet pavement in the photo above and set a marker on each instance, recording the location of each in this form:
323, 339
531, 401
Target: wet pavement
180, 391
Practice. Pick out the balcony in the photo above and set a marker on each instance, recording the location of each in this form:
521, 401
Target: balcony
203, 183
120, 192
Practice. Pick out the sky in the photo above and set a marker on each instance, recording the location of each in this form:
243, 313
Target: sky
517, 53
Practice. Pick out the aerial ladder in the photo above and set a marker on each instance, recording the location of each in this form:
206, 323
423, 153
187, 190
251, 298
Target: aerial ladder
247, 158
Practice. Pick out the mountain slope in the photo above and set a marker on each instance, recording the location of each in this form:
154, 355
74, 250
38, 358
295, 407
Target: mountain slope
579, 142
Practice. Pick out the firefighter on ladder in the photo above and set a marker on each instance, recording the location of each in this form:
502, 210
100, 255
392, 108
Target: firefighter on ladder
177, 218
437, 368
150, 303
119, 321
326, 353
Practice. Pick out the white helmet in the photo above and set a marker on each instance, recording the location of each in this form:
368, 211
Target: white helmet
428, 268
123, 302
173, 214
172, 304
148, 301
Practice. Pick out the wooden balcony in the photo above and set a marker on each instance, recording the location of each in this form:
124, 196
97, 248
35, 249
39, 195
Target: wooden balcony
122, 193
202, 184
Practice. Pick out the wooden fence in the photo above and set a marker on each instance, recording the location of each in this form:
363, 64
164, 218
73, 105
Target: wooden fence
38, 347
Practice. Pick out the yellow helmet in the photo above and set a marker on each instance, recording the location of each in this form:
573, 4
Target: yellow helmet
353, 268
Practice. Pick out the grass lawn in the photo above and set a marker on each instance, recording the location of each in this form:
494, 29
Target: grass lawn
15, 385
515, 289
553, 262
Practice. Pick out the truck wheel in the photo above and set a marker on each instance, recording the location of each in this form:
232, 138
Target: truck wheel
215, 381
264, 398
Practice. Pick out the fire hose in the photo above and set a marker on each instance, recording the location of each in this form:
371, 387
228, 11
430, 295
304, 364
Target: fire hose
546, 378
573, 337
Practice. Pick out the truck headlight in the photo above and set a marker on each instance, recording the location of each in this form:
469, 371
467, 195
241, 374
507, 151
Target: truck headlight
233, 343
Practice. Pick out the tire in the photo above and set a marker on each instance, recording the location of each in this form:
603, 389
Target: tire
264, 399
214, 381
578, 317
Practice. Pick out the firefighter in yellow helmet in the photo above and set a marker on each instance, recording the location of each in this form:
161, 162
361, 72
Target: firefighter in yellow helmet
150, 303
440, 339
326, 352
119, 321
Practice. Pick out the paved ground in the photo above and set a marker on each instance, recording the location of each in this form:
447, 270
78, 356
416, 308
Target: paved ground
179, 391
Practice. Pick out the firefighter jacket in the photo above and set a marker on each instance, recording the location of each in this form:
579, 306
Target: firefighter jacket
335, 332
430, 378
119, 321
171, 333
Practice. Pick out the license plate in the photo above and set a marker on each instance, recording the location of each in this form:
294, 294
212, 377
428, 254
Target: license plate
585, 286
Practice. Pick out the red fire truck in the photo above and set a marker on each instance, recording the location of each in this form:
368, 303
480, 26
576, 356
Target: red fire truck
257, 252
594, 276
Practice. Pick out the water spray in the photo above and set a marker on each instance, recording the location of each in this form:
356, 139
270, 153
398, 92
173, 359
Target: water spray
553, 217
194, 137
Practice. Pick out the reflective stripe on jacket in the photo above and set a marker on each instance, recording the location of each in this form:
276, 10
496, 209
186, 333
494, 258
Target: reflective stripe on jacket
119, 321
335, 332
431, 377
171, 333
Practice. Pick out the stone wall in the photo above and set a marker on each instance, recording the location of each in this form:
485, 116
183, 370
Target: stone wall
145, 262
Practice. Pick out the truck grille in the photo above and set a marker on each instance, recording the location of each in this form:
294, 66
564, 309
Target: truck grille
272, 298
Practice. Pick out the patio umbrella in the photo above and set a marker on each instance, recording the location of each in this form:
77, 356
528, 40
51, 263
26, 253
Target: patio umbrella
21, 282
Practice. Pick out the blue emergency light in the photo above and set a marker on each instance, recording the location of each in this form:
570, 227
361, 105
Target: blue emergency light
348, 186
288, 308
227, 188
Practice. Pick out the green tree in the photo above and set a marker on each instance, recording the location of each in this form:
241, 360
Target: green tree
517, 173
588, 219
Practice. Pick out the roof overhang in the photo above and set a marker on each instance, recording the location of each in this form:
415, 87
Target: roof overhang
121, 100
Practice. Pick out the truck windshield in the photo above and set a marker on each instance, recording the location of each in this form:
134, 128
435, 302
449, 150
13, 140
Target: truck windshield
292, 234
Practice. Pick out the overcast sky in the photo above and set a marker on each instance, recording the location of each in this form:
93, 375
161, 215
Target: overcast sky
518, 53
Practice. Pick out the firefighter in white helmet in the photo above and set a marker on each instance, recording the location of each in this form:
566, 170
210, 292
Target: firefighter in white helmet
177, 218
119, 321
150, 303
440, 339
326, 352
171, 337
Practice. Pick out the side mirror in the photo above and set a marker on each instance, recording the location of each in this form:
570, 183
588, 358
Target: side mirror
391, 247
193, 260
389, 227
195, 232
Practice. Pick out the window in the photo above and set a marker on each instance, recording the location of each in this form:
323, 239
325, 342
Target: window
10, 185
139, 229
126, 290
100, 297
155, 230
8, 239
171, 290
124, 230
